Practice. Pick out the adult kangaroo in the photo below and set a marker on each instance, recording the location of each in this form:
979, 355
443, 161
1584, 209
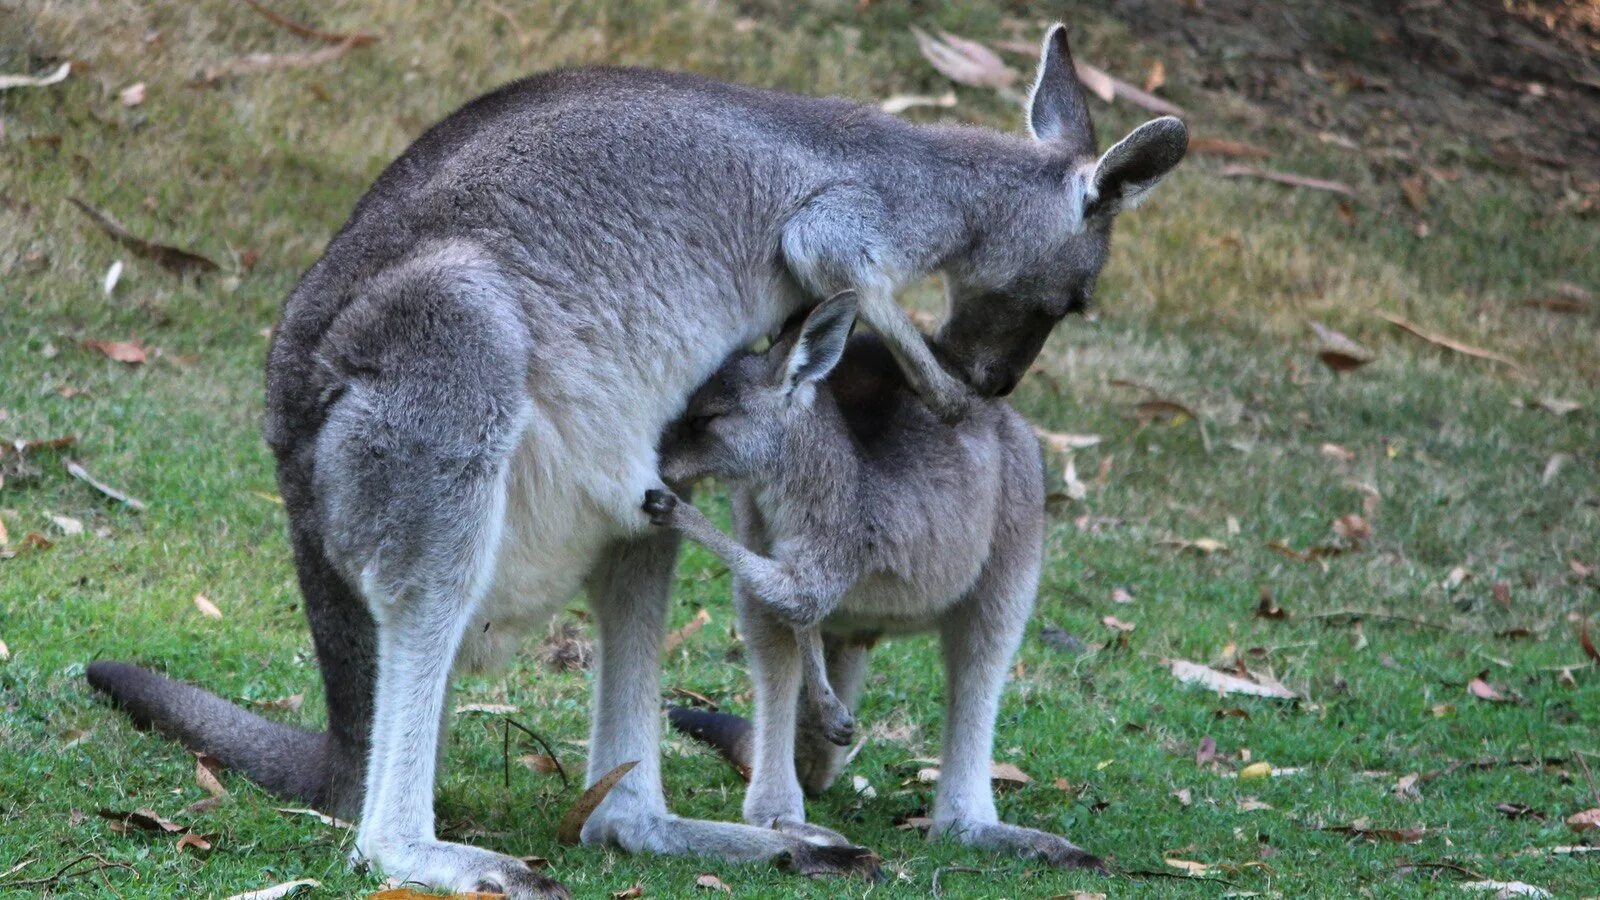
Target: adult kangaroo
465, 393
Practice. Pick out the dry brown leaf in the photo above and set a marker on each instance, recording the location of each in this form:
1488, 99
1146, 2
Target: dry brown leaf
1227, 683
1157, 76
964, 61
1501, 592
208, 774
899, 103
1338, 452
1448, 343
1416, 192
676, 637
320, 816
1253, 804
571, 828
142, 819
493, 709
1066, 443
1585, 642
1353, 529
1189, 866
1558, 406
540, 762
1289, 178
1202, 546
291, 703
1339, 361
173, 259
256, 63
633, 893
132, 95
66, 524
1406, 787
1209, 146
76, 470
190, 839
5, 652
129, 352
306, 31
278, 891
7, 82
1361, 828
1116, 624
710, 882
206, 607
1108, 87
1121, 595
1007, 773
1588, 820
1503, 890
1483, 690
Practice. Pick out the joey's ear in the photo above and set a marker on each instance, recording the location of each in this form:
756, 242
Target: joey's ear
1135, 165
1058, 109
821, 342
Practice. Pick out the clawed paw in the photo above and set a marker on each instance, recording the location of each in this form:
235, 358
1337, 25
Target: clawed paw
659, 506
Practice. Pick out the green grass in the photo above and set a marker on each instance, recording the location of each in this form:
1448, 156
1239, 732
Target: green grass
1206, 301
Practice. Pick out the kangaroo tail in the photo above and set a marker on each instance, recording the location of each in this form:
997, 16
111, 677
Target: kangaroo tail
730, 735
283, 759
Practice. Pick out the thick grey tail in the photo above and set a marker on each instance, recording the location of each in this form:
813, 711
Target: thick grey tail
283, 759
730, 735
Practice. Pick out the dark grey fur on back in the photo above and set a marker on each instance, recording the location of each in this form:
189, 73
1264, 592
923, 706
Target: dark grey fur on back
464, 393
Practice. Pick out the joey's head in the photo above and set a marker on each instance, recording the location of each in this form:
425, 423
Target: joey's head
1039, 260
737, 422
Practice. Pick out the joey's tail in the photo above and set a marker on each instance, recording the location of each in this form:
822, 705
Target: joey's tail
730, 735
283, 759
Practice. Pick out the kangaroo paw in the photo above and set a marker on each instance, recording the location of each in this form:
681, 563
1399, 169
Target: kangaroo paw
659, 505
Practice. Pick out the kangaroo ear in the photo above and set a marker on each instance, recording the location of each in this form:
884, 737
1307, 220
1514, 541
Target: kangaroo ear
1058, 109
1128, 171
821, 341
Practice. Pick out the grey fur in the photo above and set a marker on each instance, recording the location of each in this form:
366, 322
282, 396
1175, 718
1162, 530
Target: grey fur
860, 513
464, 395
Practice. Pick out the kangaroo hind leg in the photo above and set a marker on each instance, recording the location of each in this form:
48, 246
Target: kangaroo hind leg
410, 476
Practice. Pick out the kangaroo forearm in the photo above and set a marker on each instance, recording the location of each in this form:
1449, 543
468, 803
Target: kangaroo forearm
945, 393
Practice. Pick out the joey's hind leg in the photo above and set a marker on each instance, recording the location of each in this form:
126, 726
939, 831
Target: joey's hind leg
838, 725
818, 759
629, 590
979, 639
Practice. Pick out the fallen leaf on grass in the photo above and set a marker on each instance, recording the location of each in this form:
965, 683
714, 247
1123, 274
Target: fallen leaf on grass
1268, 608
1116, 624
571, 827
1517, 811
1362, 828
1448, 343
206, 607
66, 524
1108, 87
129, 352
290, 703
899, 103
1228, 683
172, 259
1207, 146
964, 61
1557, 406
1202, 546
113, 275
633, 893
676, 637
256, 63
1586, 642
1415, 191
1506, 889
1483, 690
1189, 866
1289, 178
1255, 771
306, 31
493, 709
1588, 820
320, 816
1066, 443
76, 470
539, 762
1338, 351
710, 882
5, 652
1007, 773
132, 95
7, 82
208, 774
278, 891
142, 819
1253, 804
1406, 787
190, 839
1157, 76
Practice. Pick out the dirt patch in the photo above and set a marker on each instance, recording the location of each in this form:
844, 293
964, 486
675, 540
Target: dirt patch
1505, 83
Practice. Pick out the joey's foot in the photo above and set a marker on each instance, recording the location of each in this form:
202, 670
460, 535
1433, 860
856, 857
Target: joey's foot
659, 506
462, 869
831, 859
1029, 843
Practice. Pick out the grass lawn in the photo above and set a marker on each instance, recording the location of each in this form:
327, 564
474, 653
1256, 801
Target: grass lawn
1478, 485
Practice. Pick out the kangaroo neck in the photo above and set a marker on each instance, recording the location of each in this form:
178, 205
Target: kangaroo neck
817, 487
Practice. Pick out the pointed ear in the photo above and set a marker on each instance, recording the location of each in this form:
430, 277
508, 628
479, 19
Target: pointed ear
821, 341
1058, 109
1131, 169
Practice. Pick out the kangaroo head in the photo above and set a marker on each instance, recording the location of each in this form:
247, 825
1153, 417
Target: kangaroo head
1039, 260
736, 423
